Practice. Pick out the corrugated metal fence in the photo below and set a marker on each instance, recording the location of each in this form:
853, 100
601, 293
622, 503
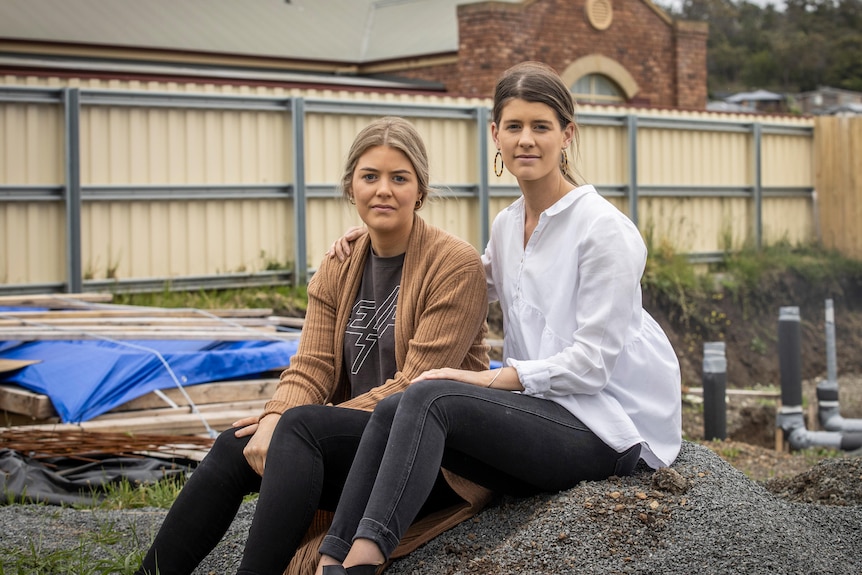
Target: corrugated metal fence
135, 189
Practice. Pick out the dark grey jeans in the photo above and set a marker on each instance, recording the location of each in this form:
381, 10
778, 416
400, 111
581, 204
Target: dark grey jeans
509, 442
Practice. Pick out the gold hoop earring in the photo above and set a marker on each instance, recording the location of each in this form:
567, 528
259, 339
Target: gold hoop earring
499, 156
564, 162
418, 204
351, 199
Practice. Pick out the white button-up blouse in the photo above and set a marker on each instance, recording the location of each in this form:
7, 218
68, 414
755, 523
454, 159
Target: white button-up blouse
574, 325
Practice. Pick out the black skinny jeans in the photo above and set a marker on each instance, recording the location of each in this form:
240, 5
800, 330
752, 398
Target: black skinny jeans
309, 457
511, 443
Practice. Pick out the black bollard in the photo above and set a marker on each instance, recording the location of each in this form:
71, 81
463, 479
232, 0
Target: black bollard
714, 391
790, 357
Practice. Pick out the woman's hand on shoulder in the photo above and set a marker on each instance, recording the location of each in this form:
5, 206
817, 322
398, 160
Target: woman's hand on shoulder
340, 248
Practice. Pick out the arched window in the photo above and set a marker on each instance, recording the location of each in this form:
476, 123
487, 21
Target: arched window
597, 89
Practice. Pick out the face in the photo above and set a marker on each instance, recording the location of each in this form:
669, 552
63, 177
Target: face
385, 189
530, 138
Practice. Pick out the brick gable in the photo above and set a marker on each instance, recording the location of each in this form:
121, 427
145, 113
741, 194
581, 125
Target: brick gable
667, 59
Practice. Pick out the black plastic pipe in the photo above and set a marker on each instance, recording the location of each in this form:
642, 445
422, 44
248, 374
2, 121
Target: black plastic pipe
790, 357
828, 406
714, 391
791, 421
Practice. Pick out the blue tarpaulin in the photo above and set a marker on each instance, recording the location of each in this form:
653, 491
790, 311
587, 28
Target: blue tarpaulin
86, 378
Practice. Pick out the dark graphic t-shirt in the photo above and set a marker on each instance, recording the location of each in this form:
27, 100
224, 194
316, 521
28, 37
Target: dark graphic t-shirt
369, 343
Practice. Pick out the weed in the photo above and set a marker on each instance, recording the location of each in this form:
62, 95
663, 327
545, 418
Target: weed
758, 346
726, 452
283, 300
124, 494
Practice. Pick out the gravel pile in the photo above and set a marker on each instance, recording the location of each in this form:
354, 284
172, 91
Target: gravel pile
700, 516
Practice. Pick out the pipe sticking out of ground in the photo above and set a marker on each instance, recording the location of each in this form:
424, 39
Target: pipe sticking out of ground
828, 406
791, 420
714, 391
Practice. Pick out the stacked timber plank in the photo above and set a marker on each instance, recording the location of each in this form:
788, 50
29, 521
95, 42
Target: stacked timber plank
190, 411
193, 411
86, 446
72, 318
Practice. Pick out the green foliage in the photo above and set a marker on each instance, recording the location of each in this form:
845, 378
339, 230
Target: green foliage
94, 555
283, 300
127, 495
811, 43
670, 277
695, 301
748, 268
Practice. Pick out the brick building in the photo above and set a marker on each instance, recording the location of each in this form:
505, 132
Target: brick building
612, 51
625, 51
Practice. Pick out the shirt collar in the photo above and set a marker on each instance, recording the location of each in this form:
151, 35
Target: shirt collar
562, 204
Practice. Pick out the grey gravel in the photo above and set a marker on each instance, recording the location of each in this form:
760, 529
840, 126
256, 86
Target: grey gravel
700, 516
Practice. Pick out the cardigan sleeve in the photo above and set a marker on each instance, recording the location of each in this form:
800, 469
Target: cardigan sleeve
449, 321
311, 377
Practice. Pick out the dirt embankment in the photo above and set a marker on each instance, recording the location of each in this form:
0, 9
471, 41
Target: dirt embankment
748, 324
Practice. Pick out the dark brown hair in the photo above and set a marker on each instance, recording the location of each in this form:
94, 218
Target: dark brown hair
538, 82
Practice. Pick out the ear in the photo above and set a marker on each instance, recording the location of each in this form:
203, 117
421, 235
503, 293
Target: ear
494, 132
569, 134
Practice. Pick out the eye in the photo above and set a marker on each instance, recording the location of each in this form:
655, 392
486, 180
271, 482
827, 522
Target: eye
512, 126
369, 177
399, 179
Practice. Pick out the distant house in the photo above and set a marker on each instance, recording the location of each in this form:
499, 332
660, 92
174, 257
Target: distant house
758, 101
608, 51
825, 100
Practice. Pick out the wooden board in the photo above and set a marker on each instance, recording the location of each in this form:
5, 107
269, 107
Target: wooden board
17, 400
176, 424
13, 364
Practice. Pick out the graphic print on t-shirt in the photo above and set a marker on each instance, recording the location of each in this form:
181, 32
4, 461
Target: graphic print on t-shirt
369, 324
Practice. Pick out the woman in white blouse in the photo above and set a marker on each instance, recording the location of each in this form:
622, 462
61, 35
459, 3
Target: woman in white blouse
596, 382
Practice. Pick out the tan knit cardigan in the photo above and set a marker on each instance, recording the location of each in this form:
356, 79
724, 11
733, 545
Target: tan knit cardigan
440, 321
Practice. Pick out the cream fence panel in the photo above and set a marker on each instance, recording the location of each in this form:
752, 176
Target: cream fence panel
838, 141
172, 191
31, 155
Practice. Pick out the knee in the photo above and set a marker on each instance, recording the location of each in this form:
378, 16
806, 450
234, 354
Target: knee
385, 410
427, 390
297, 420
226, 451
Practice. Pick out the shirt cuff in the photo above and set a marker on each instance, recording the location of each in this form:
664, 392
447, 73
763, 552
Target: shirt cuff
534, 375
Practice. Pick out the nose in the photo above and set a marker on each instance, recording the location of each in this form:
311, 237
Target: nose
383, 187
526, 139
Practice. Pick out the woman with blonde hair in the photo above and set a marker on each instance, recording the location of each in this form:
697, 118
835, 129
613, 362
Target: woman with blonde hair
411, 297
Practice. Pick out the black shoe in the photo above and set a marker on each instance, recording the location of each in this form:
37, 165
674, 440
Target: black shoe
362, 570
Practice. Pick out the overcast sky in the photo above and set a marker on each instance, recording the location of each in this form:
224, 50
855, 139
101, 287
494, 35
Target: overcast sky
779, 4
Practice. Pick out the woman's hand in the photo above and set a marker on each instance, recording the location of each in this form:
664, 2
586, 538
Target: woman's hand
502, 378
467, 376
258, 446
245, 426
340, 248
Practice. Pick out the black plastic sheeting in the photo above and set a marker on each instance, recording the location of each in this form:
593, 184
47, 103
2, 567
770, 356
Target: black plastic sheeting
72, 481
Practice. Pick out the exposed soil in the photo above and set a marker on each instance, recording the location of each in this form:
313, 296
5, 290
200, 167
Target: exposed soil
749, 328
